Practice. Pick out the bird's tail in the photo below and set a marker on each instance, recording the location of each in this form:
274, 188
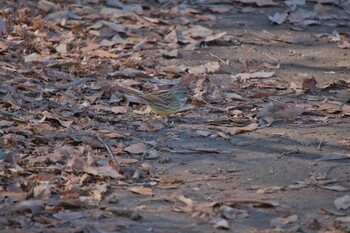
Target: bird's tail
126, 90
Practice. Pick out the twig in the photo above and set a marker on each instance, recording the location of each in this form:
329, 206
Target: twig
320, 144
227, 62
108, 149
269, 56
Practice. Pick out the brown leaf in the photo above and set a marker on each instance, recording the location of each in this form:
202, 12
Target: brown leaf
198, 32
98, 190
138, 148
260, 74
344, 44
35, 57
42, 191
76, 164
210, 67
309, 84
119, 109
104, 171
151, 126
141, 191
103, 54
169, 54
214, 37
175, 37
281, 221
334, 107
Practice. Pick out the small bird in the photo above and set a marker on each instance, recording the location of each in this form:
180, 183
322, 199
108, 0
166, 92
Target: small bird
166, 102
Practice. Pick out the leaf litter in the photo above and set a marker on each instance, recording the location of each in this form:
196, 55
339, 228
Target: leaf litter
69, 139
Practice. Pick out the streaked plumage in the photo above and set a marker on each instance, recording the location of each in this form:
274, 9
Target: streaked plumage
164, 103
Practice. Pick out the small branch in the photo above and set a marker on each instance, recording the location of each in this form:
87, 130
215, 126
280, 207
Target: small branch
320, 144
227, 62
108, 149
269, 56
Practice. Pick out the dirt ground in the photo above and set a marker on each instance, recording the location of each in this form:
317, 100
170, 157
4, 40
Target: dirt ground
275, 178
269, 159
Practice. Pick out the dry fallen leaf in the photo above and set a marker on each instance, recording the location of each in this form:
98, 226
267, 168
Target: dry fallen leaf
43, 191
281, 221
342, 203
138, 148
141, 191
104, 171
246, 76
220, 223
209, 68
278, 18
